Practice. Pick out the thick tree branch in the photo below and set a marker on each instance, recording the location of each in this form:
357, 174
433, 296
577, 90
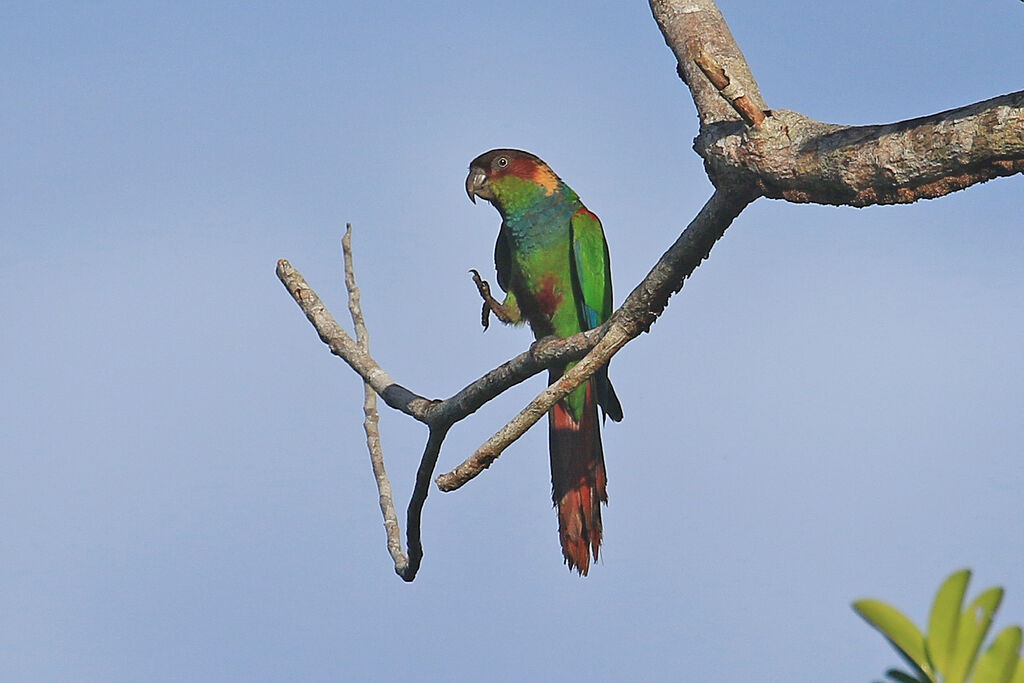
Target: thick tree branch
798, 159
790, 156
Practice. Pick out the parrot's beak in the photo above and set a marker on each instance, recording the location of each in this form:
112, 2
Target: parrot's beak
476, 185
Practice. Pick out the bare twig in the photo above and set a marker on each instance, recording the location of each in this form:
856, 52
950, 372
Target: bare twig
371, 421
355, 308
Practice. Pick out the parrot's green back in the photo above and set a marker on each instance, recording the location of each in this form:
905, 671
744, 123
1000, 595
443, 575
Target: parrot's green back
552, 261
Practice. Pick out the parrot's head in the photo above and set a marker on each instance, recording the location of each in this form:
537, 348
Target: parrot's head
501, 175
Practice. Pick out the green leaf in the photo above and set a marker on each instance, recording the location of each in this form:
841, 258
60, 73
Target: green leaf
900, 632
943, 620
970, 632
1018, 675
903, 677
999, 662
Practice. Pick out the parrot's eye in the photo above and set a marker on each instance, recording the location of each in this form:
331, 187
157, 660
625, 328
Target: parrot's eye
502, 162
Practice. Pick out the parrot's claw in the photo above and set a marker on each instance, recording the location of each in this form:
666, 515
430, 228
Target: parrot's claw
491, 305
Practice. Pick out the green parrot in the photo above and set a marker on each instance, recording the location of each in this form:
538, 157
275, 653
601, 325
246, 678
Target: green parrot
552, 262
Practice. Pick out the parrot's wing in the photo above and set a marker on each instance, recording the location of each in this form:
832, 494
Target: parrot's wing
592, 282
592, 274
503, 259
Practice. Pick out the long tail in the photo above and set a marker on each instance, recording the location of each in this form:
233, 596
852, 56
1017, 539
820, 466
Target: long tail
577, 476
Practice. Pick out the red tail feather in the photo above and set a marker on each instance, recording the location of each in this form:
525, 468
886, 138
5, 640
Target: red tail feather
577, 480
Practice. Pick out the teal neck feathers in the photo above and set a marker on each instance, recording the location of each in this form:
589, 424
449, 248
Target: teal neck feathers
526, 205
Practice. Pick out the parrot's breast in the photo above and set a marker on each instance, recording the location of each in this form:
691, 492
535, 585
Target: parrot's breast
548, 296
540, 241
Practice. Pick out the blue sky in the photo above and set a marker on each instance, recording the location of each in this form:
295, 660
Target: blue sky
830, 409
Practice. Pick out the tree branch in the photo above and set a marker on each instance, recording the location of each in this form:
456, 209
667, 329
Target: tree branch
543, 354
371, 422
614, 340
790, 156
342, 345
727, 86
748, 152
438, 415
692, 27
414, 514
798, 159
640, 309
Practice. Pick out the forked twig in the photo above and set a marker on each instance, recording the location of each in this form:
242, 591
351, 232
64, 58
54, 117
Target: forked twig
635, 315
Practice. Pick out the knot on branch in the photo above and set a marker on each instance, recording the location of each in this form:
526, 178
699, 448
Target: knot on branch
729, 86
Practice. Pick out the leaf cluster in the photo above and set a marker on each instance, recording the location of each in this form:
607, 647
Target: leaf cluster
951, 650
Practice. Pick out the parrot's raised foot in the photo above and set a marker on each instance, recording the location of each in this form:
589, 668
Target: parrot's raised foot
491, 305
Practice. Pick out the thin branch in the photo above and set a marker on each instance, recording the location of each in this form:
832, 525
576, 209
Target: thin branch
648, 299
614, 340
419, 496
342, 345
438, 415
355, 299
543, 354
371, 421
380, 475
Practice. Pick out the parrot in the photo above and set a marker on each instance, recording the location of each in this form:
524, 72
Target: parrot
552, 262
